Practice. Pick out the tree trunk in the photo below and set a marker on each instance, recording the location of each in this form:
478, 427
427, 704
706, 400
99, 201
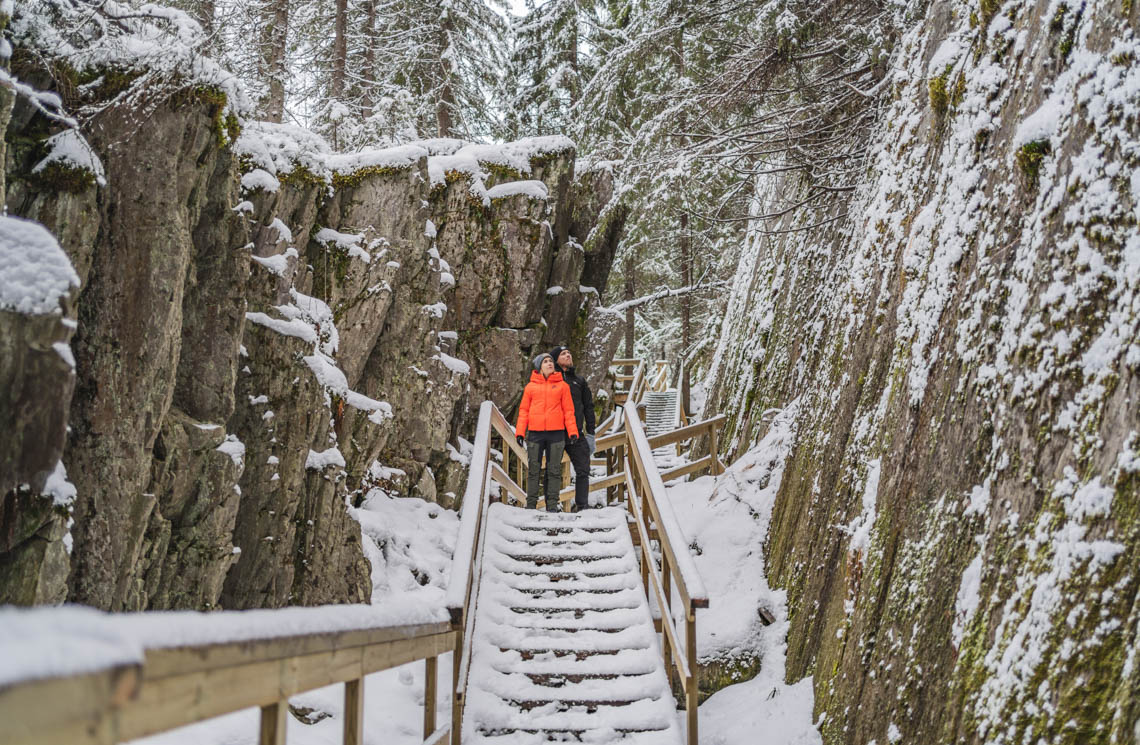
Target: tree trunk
686, 309
340, 49
686, 242
629, 295
446, 104
274, 36
205, 15
368, 87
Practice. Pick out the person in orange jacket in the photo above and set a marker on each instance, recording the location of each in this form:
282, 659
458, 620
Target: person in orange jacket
546, 416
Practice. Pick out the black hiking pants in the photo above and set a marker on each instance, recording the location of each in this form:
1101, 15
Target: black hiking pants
579, 453
549, 443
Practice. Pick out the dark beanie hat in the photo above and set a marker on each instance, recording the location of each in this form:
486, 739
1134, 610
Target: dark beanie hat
537, 361
555, 352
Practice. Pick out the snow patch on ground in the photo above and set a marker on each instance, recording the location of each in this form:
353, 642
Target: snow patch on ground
727, 518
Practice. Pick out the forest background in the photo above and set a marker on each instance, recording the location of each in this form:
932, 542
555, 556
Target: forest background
688, 102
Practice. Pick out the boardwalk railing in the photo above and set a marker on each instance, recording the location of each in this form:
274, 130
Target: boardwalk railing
182, 685
634, 380
677, 577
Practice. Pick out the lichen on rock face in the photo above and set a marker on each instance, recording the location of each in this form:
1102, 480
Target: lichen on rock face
975, 338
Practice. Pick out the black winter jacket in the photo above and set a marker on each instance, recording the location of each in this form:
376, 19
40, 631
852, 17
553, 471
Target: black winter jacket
583, 400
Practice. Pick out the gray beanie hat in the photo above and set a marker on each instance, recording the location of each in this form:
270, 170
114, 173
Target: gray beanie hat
537, 361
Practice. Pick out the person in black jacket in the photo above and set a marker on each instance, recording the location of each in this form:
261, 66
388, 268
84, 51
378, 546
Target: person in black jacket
580, 451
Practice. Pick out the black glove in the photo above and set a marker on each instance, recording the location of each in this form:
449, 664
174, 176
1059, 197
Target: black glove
573, 439
520, 440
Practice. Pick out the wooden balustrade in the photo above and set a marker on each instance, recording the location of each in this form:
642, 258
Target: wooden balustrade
653, 521
177, 686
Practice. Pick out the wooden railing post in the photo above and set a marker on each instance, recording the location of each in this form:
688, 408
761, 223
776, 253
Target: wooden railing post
456, 661
456, 706
666, 613
354, 712
714, 464
691, 690
609, 472
619, 456
431, 665
565, 470
273, 723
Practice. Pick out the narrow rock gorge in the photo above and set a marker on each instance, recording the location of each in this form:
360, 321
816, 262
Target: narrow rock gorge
263, 329
956, 527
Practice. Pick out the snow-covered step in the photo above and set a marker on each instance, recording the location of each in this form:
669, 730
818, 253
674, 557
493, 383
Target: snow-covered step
563, 645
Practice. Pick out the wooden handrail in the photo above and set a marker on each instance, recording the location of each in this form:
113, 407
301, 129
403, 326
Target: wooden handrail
689, 584
649, 508
173, 687
665, 438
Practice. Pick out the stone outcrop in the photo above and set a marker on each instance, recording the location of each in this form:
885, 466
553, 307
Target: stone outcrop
265, 330
956, 527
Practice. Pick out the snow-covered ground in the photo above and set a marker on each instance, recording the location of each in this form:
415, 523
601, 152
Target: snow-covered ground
726, 519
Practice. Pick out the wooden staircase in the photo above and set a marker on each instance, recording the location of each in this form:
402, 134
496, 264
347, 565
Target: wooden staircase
554, 609
563, 645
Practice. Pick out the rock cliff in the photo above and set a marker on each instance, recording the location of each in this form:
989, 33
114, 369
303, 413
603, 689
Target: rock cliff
264, 329
957, 525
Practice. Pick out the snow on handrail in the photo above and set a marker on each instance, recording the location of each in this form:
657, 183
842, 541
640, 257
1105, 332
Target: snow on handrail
55, 642
686, 567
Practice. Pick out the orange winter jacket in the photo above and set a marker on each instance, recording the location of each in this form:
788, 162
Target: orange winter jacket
546, 405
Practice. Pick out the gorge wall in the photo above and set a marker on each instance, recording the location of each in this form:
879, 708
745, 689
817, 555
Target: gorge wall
957, 527
260, 330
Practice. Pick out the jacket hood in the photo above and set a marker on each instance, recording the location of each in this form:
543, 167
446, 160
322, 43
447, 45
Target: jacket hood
555, 377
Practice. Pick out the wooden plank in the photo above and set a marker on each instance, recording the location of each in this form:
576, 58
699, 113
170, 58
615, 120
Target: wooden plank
649, 568
439, 736
500, 476
354, 712
636, 537
684, 433
609, 442
625, 362
430, 692
273, 723
174, 700
66, 711
687, 468
500, 424
597, 484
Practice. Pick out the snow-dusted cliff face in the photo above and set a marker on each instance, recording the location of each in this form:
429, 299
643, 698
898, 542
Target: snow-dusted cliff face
260, 332
958, 526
